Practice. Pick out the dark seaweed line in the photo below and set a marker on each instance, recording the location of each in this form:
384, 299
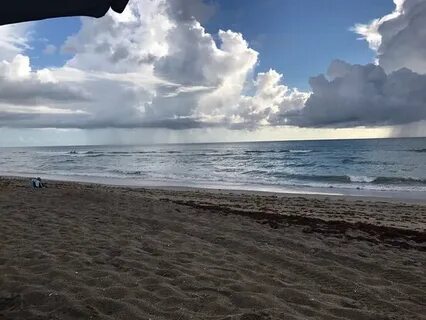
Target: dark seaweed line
380, 234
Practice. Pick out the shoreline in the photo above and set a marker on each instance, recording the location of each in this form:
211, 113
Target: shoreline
415, 197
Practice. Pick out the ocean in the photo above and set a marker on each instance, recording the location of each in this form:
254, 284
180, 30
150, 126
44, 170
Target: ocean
377, 165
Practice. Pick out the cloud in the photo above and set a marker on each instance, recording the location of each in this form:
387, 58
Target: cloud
19, 85
392, 92
155, 66
50, 49
187, 10
14, 39
162, 40
271, 98
399, 37
130, 42
362, 95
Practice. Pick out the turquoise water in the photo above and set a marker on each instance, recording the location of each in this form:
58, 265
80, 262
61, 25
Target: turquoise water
385, 164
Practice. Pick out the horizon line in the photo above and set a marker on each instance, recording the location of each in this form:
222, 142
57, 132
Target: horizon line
211, 142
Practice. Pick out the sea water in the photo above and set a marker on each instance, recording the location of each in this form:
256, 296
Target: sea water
377, 164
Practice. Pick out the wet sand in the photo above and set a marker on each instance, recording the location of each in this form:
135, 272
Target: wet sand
82, 251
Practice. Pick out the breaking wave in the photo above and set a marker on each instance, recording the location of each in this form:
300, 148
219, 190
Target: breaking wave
352, 179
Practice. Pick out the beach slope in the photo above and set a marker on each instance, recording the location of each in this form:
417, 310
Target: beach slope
79, 251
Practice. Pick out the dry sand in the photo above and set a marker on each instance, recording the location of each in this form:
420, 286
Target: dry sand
76, 251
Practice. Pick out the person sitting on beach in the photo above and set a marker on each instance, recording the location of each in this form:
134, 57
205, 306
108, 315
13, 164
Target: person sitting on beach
37, 183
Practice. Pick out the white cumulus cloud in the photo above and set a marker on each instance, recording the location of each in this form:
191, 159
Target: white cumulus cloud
153, 66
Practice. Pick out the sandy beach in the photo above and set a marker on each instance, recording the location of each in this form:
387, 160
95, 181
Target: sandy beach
85, 251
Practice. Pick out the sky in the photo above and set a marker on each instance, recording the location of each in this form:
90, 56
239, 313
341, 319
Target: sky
170, 71
297, 42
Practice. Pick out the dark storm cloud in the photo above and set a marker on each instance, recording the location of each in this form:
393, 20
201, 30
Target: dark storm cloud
33, 92
357, 95
84, 121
